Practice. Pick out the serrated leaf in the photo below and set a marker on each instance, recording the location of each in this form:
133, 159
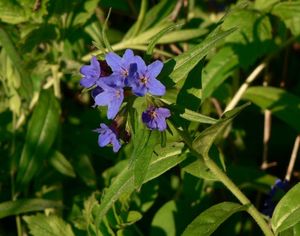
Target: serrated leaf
26, 205
40, 136
282, 104
289, 12
61, 164
287, 211
204, 141
41, 225
184, 63
124, 183
208, 221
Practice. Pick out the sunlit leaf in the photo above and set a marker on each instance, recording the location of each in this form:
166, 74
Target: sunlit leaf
287, 211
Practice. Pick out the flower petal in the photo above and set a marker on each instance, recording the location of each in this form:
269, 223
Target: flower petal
87, 81
156, 87
103, 99
116, 144
154, 69
114, 61
140, 64
104, 139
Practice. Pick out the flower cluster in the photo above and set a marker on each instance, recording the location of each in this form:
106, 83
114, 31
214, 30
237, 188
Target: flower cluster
110, 79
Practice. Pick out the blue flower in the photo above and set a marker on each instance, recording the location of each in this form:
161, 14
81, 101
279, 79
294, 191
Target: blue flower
144, 80
121, 67
155, 118
112, 97
277, 190
108, 136
91, 73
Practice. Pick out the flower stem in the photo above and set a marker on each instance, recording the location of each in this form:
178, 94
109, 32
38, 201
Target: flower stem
239, 195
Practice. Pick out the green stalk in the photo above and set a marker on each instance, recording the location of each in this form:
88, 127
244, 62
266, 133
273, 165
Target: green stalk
239, 195
141, 17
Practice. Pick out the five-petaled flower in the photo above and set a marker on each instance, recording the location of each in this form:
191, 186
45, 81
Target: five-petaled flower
121, 67
91, 73
144, 80
155, 118
108, 136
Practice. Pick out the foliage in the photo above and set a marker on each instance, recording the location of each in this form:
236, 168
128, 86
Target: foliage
207, 173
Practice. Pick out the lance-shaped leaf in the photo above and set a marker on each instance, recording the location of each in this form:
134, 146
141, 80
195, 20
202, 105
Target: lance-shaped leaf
179, 67
41, 132
167, 158
287, 211
208, 221
26, 205
204, 141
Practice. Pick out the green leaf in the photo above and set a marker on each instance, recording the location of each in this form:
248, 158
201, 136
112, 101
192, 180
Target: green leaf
184, 63
197, 117
281, 103
199, 169
41, 225
26, 205
154, 17
219, 68
26, 88
289, 12
264, 5
208, 221
292, 231
124, 183
157, 37
41, 132
204, 141
182, 35
61, 164
287, 211
143, 141
89, 9
164, 220
142, 153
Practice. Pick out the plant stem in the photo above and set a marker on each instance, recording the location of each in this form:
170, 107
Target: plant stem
244, 87
239, 195
140, 18
293, 159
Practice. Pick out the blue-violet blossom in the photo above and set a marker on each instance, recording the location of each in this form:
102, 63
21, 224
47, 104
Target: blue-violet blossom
121, 67
108, 136
144, 80
112, 97
91, 73
155, 118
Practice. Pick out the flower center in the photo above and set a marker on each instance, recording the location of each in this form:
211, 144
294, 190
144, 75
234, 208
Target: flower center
125, 73
152, 114
144, 80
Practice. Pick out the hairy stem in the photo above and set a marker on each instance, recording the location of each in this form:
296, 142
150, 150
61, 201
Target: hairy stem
239, 195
